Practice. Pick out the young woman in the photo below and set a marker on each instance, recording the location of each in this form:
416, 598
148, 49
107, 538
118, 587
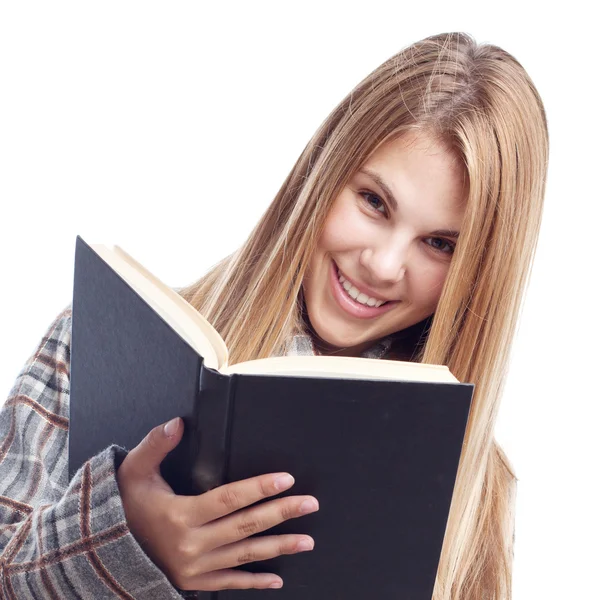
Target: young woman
406, 230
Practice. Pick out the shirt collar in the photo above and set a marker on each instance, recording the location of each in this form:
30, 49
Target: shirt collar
302, 345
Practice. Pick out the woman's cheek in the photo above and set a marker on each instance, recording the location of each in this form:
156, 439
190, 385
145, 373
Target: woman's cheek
431, 284
344, 231
351, 220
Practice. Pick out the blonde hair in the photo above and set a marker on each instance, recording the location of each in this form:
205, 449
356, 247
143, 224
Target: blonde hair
480, 102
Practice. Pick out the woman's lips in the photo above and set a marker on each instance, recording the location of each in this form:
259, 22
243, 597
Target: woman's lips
348, 305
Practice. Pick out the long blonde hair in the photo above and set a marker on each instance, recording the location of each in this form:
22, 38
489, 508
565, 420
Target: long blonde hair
480, 102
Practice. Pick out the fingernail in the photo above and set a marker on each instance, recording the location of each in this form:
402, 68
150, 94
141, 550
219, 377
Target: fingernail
276, 585
171, 427
304, 545
309, 506
283, 482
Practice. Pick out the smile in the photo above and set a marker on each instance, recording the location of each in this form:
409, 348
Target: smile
353, 301
357, 295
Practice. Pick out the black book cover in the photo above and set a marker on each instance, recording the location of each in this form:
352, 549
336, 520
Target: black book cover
381, 457
129, 370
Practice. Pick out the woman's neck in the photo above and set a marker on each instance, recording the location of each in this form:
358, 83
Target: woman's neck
324, 348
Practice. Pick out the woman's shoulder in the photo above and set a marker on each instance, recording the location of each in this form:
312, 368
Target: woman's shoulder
60, 329
55, 345
43, 382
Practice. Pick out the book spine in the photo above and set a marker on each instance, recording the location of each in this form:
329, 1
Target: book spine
213, 425
213, 417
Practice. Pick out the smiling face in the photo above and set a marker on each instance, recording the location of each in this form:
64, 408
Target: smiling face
389, 238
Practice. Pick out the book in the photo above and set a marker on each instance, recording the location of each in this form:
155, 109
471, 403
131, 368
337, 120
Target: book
377, 442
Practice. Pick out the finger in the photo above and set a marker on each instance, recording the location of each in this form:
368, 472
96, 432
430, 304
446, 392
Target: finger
146, 457
250, 521
253, 550
232, 579
231, 497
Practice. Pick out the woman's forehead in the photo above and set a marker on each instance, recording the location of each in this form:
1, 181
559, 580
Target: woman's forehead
416, 166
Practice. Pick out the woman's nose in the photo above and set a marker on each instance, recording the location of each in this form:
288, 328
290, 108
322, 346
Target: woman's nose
386, 262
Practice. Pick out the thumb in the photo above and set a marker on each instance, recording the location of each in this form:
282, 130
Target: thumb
146, 457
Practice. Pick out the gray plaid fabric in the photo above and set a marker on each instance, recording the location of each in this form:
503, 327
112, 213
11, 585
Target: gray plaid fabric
302, 345
69, 539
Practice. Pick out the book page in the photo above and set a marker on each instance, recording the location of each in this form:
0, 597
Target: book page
345, 367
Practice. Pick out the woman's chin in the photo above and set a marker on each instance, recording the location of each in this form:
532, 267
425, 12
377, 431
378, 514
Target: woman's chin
330, 339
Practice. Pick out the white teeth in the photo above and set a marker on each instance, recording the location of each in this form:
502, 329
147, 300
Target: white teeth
357, 295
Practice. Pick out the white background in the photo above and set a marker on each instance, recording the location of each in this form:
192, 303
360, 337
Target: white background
168, 128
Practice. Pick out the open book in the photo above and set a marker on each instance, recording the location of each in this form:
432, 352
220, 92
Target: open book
377, 442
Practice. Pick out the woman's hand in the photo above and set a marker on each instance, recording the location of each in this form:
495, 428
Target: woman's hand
196, 540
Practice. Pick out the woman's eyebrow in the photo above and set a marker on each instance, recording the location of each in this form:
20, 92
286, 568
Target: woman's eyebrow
394, 204
445, 233
382, 184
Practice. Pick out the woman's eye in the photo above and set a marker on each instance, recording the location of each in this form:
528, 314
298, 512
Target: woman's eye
441, 245
374, 201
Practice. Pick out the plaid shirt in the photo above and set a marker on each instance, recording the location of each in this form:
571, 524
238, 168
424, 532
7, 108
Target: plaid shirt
69, 539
